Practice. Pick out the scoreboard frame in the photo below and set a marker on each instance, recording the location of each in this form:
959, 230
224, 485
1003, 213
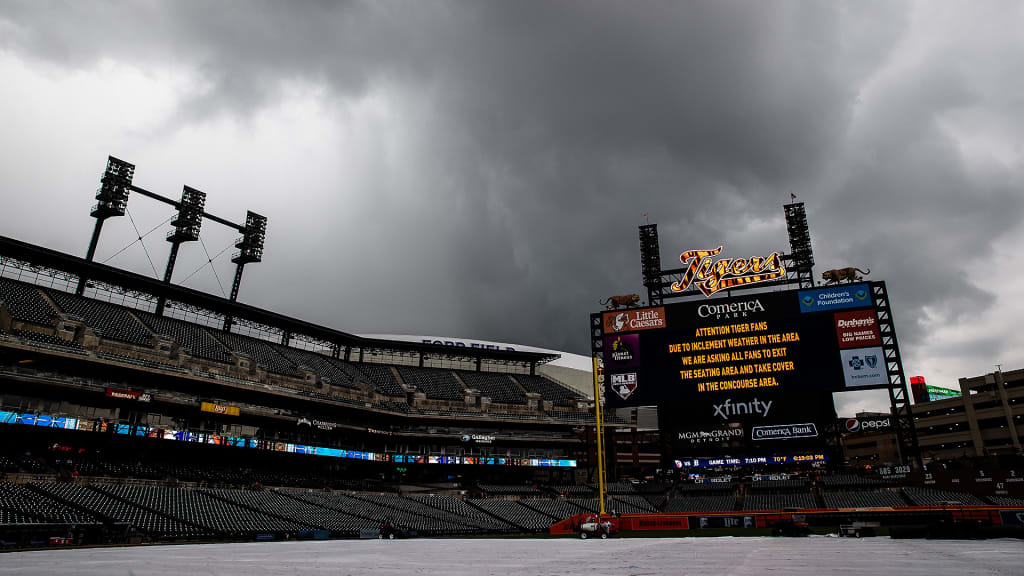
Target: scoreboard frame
642, 326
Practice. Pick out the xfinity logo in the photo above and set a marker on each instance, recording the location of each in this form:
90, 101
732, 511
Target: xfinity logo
729, 408
730, 310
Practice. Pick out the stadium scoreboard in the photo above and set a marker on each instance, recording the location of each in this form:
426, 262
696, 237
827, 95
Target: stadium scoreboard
745, 371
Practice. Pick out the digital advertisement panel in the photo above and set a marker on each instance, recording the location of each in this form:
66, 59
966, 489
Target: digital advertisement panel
823, 339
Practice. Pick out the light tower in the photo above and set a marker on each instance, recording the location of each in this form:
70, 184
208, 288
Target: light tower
186, 229
250, 247
112, 200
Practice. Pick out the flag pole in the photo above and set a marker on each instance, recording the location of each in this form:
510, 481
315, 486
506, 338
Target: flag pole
600, 437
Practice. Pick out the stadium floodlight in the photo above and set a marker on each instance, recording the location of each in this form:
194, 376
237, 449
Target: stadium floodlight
801, 254
186, 229
250, 247
251, 243
190, 216
114, 187
650, 263
112, 200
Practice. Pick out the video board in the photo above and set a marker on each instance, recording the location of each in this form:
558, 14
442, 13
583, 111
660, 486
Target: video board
749, 374
771, 343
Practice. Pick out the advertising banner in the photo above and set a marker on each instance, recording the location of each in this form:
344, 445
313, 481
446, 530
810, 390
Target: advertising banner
219, 409
127, 395
857, 329
835, 298
864, 367
858, 425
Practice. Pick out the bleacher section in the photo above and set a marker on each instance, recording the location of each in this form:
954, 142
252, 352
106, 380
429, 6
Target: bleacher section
198, 509
778, 501
558, 394
500, 489
327, 368
47, 340
556, 509
863, 499
107, 320
191, 337
930, 497
515, 513
25, 506
24, 302
259, 351
498, 387
701, 504
437, 384
279, 504
382, 378
102, 505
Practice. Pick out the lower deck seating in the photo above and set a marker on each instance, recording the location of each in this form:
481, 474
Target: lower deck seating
778, 501
863, 499
720, 503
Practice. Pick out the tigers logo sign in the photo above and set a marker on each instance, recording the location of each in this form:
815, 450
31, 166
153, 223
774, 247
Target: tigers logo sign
710, 275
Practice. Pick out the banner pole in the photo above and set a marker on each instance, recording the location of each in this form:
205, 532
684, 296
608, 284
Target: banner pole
600, 436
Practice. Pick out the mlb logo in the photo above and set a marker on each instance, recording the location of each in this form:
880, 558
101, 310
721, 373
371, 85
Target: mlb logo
624, 384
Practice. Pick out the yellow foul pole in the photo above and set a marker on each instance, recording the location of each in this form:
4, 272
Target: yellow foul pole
600, 435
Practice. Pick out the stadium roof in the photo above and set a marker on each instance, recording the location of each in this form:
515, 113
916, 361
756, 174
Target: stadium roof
59, 261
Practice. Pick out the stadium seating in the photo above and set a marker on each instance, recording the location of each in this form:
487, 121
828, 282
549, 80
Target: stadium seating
930, 497
375, 513
556, 509
437, 384
259, 351
515, 513
498, 387
720, 503
109, 321
1006, 501
850, 480
630, 505
500, 489
102, 505
778, 501
382, 378
24, 302
863, 499
191, 337
199, 509
28, 505
458, 508
47, 340
319, 364
279, 504
559, 395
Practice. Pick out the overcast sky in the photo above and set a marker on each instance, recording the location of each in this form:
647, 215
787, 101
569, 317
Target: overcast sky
478, 169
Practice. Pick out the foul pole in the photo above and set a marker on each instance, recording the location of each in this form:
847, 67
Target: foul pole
600, 436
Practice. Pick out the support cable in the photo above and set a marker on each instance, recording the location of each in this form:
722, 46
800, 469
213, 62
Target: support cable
132, 243
212, 267
205, 264
144, 249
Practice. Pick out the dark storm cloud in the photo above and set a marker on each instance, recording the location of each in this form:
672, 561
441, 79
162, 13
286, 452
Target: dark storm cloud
542, 132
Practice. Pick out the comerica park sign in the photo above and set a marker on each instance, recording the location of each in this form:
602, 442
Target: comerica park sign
710, 275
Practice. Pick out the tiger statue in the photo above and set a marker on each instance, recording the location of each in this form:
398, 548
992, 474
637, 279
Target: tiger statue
624, 300
837, 275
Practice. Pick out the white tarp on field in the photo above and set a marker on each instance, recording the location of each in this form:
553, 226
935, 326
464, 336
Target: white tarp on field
516, 557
